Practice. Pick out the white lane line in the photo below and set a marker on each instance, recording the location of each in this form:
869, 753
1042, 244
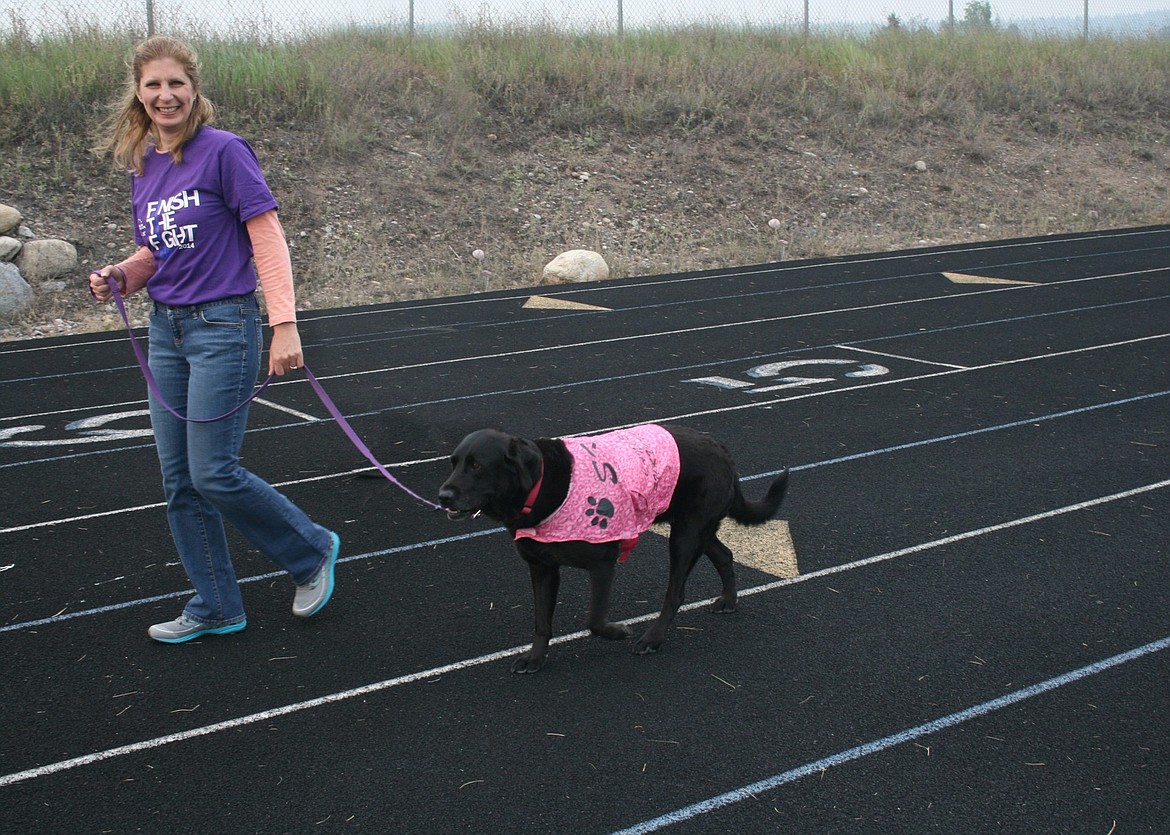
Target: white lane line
753, 790
959, 537
898, 380
560, 386
365, 690
741, 323
302, 415
909, 255
390, 369
942, 439
194, 733
125, 404
900, 357
756, 405
954, 436
1031, 421
657, 282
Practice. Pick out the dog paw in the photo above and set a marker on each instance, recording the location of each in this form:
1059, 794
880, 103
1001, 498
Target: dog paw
613, 631
650, 641
645, 648
723, 607
527, 664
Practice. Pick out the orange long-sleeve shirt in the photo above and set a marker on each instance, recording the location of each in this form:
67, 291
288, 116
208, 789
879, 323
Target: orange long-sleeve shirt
273, 267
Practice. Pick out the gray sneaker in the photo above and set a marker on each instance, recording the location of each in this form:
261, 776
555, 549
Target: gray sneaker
184, 628
313, 595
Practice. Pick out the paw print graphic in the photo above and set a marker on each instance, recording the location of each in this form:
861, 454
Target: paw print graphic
600, 511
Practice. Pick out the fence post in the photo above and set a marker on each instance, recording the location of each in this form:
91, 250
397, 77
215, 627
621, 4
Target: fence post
621, 27
149, 18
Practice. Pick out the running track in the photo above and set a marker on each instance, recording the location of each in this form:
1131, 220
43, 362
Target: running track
974, 638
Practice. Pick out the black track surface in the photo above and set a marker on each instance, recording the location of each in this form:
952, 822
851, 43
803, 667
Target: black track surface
977, 641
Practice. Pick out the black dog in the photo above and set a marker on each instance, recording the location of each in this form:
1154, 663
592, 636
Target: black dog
532, 484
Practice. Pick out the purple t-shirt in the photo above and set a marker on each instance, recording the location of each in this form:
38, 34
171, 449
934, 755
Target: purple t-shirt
192, 216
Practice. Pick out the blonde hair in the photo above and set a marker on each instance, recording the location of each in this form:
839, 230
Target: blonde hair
128, 131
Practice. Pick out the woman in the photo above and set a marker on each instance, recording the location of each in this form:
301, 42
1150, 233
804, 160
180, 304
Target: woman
206, 225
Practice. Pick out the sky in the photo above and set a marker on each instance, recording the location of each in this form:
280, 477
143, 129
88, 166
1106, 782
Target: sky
278, 16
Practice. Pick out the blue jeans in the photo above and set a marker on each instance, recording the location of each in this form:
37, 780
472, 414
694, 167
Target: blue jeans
205, 359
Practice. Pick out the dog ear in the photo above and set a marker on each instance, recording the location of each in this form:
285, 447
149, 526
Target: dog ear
525, 455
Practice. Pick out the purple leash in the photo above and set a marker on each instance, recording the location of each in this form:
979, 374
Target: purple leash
326, 400
150, 381
331, 407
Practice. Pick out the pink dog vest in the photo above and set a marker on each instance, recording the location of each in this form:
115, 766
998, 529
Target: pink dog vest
621, 481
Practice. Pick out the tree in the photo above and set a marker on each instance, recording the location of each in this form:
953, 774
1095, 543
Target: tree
977, 15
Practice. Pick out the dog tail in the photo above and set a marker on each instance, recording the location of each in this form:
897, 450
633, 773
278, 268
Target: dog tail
759, 512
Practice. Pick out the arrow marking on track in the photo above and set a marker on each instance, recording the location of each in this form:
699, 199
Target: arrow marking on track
962, 278
766, 547
559, 304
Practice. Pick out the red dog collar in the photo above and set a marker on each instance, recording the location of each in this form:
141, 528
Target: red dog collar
531, 500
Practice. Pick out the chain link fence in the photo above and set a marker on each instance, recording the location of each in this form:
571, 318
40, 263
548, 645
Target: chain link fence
268, 20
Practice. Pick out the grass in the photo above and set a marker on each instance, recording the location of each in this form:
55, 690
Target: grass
718, 79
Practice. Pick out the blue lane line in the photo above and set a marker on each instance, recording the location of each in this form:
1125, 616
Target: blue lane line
711, 804
12, 627
255, 578
1015, 424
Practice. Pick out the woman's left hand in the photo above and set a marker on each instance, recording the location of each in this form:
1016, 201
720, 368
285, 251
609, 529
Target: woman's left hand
285, 352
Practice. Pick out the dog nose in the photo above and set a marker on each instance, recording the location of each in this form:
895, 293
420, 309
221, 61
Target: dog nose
446, 495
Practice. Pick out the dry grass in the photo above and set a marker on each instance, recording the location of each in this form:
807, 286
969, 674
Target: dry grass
394, 159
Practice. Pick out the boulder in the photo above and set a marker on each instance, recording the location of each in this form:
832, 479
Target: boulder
45, 259
8, 248
15, 294
10, 218
574, 266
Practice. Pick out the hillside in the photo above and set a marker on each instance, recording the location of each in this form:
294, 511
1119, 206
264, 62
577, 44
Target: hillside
399, 217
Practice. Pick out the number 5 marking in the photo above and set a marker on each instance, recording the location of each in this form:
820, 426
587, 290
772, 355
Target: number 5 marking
774, 369
89, 431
